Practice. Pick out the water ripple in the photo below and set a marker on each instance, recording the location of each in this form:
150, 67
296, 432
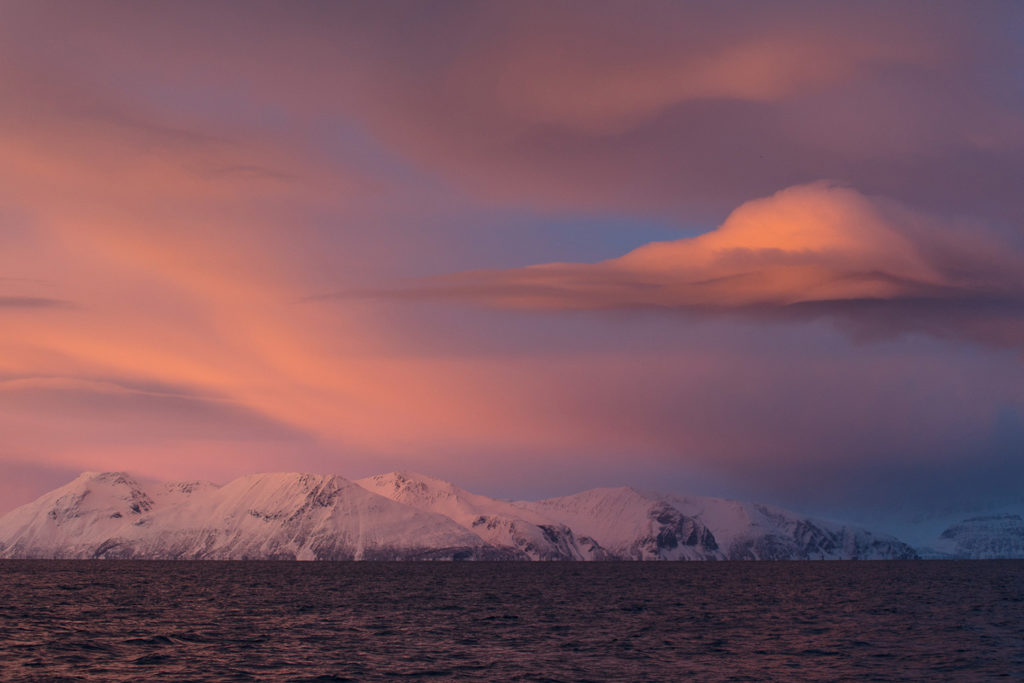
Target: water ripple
269, 621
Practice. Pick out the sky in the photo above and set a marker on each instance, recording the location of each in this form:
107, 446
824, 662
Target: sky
772, 251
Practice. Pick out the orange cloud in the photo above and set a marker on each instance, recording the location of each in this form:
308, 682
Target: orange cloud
605, 80
814, 247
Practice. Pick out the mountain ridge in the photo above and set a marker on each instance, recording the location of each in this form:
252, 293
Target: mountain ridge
409, 516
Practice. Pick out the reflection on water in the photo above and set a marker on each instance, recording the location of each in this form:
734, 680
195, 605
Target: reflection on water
176, 621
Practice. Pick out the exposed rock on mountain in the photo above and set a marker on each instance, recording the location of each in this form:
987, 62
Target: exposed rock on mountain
654, 526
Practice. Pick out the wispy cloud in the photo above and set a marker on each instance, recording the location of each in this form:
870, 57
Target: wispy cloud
33, 302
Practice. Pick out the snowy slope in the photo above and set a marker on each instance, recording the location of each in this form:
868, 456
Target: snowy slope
631, 525
264, 516
644, 525
174, 492
496, 522
73, 520
757, 531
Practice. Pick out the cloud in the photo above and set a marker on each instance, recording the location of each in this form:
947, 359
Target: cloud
184, 174
690, 110
146, 410
607, 78
75, 423
809, 250
668, 109
24, 481
32, 302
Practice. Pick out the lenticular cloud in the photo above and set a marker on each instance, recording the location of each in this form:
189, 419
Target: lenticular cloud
817, 249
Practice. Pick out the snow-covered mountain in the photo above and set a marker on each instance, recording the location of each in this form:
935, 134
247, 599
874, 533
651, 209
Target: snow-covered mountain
988, 537
631, 526
640, 525
408, 516
496, 522
261, 516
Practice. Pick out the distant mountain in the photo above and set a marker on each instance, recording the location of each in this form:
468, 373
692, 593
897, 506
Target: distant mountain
988, 537
405, 516
636, 525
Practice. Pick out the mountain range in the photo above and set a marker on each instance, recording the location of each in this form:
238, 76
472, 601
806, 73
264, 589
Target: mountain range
408, 516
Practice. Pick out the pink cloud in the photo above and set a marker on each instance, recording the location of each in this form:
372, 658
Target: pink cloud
177, 180
819, 248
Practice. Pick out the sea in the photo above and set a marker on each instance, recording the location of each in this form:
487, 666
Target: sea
350, 621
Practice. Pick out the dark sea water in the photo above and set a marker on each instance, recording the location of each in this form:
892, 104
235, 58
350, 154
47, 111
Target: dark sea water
212, 621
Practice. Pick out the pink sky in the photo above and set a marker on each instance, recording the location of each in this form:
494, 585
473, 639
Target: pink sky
765, 250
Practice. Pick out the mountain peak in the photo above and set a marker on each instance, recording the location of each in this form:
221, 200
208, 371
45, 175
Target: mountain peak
401, 478
105, 477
